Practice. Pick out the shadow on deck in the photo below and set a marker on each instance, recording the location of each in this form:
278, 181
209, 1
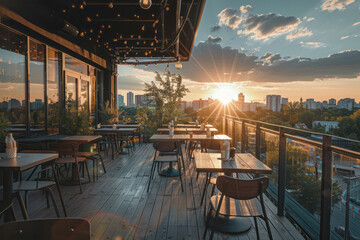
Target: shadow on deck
119, 207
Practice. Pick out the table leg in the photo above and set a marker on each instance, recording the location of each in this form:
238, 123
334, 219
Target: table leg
7, 192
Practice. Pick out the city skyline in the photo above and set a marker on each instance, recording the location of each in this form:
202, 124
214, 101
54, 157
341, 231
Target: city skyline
315, 47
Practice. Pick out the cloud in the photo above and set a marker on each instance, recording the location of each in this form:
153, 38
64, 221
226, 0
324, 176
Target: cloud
230, 17
312, 44
308, 19
270, 58
215, 28
357, 23
344, 37
212, 39
130, 82
301, 32
332, 5
344, 64
212, 63
264, 26
246, 9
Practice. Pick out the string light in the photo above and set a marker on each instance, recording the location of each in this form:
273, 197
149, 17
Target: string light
110, 5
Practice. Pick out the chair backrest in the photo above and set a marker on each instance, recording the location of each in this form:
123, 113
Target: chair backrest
65, 148
45, 229
242, 189
165, 146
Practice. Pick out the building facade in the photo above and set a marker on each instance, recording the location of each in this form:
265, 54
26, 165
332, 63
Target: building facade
130, 99
273, 102
120, 101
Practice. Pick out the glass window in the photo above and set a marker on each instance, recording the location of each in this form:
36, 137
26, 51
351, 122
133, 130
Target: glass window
84, 94
37, 87
53, 91
76, 65
70, 92
92, 91
12, 76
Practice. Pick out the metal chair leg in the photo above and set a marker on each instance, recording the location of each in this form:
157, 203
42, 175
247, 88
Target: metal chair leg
87, 169
179, 169
22, 206
151, 173
205, 186
256, 228
58, 188
265, 217
78, 173
51, 193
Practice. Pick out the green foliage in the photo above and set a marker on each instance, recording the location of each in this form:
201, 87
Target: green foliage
166, 92
75, 122
146, 117
110, 114
4, 124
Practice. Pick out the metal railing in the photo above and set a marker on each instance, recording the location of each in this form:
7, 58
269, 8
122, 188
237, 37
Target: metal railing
236, 128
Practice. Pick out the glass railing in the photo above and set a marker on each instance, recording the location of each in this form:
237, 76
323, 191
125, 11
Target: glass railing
308, 190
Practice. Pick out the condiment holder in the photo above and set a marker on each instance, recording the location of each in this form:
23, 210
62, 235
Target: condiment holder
11, 146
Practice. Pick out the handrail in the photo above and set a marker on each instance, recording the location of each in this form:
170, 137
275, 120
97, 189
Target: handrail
230, 124
293, 129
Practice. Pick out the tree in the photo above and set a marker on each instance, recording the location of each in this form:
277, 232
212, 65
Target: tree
307, 117
291, 112
165, 92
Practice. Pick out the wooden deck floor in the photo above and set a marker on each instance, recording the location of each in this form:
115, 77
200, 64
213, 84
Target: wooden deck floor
119, 207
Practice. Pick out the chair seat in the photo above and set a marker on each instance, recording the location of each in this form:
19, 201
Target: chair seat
240, 208
167, 153
31, 185
166, 158
64, 160
88, 154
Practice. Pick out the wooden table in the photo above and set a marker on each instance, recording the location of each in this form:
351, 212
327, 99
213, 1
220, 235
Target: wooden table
121, 125
183, 137
243, 163
185, 130
188, 125
115, 132
22, 162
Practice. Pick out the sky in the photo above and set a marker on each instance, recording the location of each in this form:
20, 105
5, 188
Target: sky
307, 48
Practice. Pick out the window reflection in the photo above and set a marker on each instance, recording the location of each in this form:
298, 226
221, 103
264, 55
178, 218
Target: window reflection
84, 94
70, 92
36, 86
53, 91
76, 65
12, 75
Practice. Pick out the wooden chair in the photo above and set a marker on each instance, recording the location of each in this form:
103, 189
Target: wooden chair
28, 186
95, 157
68, 155
243, 201
165, 152
45, 229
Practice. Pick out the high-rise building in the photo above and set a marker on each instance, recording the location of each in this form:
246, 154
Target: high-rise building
332, 102
284, 101
130, 99
347, 103
139, 100
273, 102
241, 98
120, 100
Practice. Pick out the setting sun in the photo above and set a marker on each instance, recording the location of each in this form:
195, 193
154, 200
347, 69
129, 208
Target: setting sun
225, 93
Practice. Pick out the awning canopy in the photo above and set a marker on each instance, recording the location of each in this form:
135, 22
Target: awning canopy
119, 30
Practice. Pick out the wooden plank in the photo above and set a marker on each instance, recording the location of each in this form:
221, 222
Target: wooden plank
118, 204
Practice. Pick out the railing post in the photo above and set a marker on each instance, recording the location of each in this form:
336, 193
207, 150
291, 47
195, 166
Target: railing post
233, 133
243, 124
282, 173
257, 141
326, 186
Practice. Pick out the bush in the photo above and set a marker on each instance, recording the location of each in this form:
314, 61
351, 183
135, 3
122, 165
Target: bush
76, 122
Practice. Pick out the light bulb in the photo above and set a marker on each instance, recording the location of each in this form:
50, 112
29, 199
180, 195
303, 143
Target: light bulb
178, 65
145, 4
